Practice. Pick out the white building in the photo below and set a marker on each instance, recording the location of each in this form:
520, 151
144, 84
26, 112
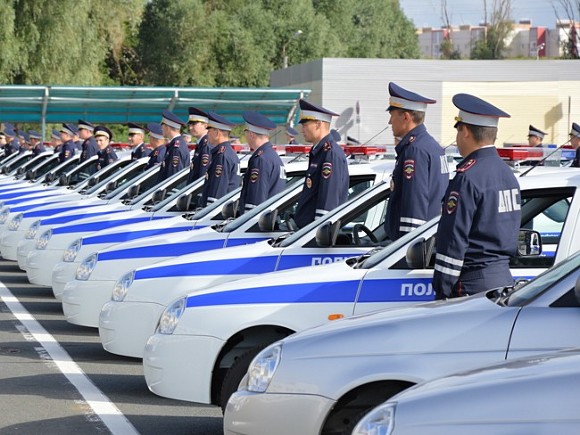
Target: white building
545, 94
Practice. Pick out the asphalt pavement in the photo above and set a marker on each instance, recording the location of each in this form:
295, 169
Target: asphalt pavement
55, 378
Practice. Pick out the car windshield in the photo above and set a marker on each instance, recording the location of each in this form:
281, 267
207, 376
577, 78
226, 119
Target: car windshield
543, 282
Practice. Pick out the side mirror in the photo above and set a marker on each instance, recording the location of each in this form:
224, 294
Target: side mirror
93, 181
30, 174
415, 256
230, 210
529, 243
49, 177
326, 233
133, 191
111, 186
21, 171
577, 290
183, 202
158, 196
267, 221
63, 180
6, 169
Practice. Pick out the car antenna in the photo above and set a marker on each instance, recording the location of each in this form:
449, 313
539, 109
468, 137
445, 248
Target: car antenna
545, 158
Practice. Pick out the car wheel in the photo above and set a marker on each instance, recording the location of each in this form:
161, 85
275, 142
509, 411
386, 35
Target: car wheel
235, 374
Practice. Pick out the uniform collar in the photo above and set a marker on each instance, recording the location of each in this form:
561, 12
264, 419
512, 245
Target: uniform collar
263, 147
324, 140
410, 137
481, 152
201, 139
216, 148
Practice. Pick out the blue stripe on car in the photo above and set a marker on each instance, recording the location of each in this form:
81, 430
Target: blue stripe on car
321, 292
64, 219
24, 199
162, 250
236, 266
97, 226
131, 235
294, 261
30, 206
51, 211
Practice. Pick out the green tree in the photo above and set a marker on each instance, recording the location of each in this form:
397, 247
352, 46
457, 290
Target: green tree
498, 29
9, 45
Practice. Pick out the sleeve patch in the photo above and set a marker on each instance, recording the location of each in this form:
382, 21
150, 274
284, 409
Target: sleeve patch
409, 169
326, 170
175, 161
254, 175
218, 170
452, 201
204, 159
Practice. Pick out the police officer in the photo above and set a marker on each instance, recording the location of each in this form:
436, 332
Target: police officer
24, 140
197, 124
36, 142
575, 141
326, 183
421, 175
481, 214
12, 142
157, 144
177, 152
67, 150
55, 141
106, 153
136, 139
222, 175
88, 146
535, 136
265, 174
291, 135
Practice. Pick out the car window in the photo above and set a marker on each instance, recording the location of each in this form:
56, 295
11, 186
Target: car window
545, 211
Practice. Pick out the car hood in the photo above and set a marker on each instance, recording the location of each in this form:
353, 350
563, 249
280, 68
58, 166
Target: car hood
472, 324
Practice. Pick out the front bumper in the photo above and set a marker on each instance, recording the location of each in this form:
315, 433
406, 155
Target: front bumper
265, 414
9, 244
82, 301
125, 327
62, 273
180, 366
22, 251
40, 265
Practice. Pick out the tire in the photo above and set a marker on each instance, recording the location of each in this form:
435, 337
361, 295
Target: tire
235, 374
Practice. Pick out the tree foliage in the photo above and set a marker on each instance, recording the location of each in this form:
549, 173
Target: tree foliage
499, 26
190, 42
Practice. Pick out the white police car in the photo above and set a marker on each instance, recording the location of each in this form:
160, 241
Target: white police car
204, 339
532, 395
137, 300
323, 379
83, 298
24, 221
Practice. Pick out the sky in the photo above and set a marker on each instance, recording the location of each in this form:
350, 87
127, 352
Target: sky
427, 13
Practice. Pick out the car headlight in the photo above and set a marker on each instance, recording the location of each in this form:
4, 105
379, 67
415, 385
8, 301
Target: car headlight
32, 230
15, 222
71, 252
4, 215
170, 317
263, 367
86, 267
43, 240
122, 286
379, 421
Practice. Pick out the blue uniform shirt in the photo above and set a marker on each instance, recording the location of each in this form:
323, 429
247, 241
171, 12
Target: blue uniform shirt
420, 178
264, 178
140, 151
326, 183
479, 226
156, 157
39, 148
11, 147
106, 156
176, 158
576, 161
67, 150
200, 160
89, 149
222, 176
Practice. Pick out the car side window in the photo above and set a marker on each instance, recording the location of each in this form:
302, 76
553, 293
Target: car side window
546, 213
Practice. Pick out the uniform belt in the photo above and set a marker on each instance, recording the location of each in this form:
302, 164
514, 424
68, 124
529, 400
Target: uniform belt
480, 273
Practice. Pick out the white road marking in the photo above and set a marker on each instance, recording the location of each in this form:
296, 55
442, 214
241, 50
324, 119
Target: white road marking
110, 415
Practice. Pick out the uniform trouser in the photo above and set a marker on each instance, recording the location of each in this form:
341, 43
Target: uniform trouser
478, 280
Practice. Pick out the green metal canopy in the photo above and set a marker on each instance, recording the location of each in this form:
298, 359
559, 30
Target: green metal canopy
114, 105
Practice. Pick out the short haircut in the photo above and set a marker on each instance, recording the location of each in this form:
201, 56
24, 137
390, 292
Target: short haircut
481, 134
